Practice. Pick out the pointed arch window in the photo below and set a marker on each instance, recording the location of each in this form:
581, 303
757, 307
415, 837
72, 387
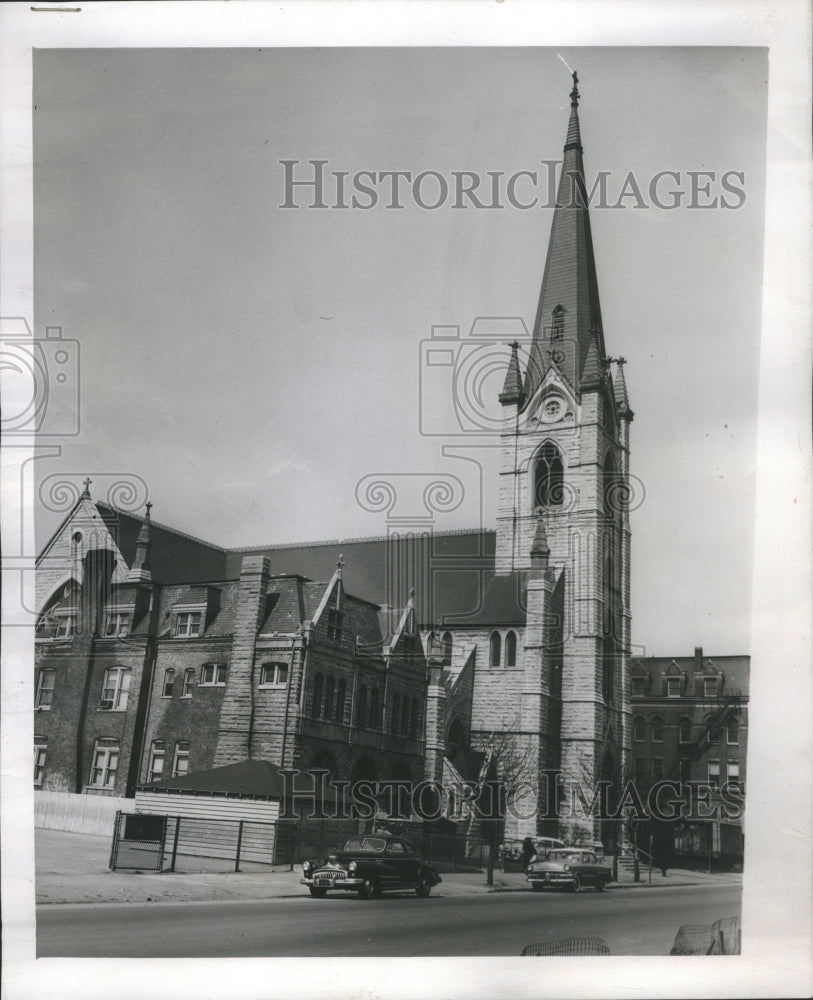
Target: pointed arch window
495, 649
341, 697
361, 707
557, 327
549, 477
316, 706
329, 695
511, 649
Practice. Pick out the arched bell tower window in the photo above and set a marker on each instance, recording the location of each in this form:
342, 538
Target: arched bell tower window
549, 477
511, 649
557, 329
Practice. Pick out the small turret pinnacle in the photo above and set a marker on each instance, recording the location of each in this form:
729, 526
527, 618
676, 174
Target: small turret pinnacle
140, 571
86, 491
540, 550
512, 389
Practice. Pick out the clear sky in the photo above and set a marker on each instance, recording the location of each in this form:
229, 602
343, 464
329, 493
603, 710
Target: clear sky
252, 364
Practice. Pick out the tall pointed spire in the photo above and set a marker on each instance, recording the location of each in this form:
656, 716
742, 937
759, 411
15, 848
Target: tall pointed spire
568, 310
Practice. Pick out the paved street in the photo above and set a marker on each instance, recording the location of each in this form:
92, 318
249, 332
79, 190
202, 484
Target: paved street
631, 922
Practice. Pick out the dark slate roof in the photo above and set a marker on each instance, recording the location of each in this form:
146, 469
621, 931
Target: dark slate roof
174, 556
448, 570
503, 602
736, 668
246, 779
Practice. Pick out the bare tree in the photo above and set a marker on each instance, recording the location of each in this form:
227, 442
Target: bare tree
510, 765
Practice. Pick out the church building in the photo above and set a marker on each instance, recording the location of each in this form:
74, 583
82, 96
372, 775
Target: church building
158, 654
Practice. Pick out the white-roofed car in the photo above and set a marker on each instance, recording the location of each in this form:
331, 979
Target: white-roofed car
572, 868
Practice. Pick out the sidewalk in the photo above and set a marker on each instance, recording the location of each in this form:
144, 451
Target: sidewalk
73, 868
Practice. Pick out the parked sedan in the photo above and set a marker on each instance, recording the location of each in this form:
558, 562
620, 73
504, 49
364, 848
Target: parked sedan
370, 865
571, 867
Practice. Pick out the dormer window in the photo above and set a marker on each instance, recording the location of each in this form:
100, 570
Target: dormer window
672, 687
117, 623
187, 624
709, 687
637, 687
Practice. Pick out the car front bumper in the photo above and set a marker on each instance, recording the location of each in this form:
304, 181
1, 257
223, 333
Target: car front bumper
333, 883
551, 878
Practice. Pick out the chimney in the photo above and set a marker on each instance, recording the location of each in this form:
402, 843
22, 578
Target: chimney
698, 659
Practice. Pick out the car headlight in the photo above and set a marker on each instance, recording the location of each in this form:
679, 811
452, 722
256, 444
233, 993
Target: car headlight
306, 867
567, 868
531, 869
351, 867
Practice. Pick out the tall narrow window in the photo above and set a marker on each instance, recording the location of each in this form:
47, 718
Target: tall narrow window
639, 730
374, 716
330, 687
714, 773
733, 733
361, 707
549, 478
316, 704
495, 649
157, 754
685, 730
734, 774
341, 697
115, 688
105, 764
45, 689
169, 683
40, 751
511, 649
188, 682
657, 729
396, 714
180, 766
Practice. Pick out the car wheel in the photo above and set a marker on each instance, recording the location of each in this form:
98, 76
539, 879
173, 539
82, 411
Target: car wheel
577, 884
319, 893
424, 888
368, 889
600, 883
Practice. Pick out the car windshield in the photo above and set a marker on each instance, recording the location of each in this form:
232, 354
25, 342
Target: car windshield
562, 855
367, 845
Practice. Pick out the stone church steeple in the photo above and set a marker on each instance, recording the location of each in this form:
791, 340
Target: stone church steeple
564, 487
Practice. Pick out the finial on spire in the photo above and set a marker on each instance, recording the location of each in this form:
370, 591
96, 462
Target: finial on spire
149, 508
340, 564
86, 492
412, 593
574, 94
